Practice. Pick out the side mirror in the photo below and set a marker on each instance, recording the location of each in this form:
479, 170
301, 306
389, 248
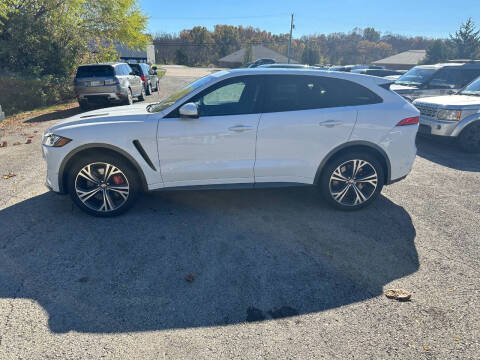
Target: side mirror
189, 110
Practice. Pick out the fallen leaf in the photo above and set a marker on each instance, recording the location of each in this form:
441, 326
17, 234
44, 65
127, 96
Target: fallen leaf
29, 141
426, 348
16, 143
31, 136
8, 176
190, 277
449, 290
4, 144
398, 294
456, 339
36, 131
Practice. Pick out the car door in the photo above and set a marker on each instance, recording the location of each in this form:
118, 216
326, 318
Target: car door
135, 81
304, 118
218, 146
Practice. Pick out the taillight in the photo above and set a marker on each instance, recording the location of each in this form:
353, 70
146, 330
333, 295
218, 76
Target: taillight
409, 121
143, 78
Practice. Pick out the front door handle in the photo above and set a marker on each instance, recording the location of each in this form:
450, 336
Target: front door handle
240, 128
330, 123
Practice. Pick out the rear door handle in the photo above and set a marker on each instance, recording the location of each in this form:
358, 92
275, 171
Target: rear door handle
240, 128
330, 123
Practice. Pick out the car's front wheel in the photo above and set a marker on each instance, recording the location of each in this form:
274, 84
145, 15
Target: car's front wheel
469, 138
103, 185
352, 181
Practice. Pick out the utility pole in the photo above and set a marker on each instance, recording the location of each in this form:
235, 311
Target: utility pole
290, 42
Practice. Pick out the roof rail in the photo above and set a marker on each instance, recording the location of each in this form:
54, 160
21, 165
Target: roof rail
463, 61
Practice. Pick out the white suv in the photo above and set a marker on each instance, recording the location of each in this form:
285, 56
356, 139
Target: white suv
347, 134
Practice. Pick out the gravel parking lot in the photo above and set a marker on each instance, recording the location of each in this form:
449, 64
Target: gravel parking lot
274, 274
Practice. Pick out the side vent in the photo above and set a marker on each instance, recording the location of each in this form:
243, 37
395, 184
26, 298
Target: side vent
142, 152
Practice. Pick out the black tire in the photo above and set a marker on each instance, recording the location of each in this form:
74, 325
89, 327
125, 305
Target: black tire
97, 204
84, 105
141, 97
469, 138
156, 87
345, 164
129, 99
149, 89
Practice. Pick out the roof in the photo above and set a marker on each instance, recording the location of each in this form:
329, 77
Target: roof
259, 52
410, 57
126, 52
103, 63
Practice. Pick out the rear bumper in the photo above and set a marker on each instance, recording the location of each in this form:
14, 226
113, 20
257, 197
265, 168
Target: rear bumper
436, 127
101, 97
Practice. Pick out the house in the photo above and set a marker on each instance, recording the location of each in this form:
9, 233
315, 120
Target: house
403, 61
259, 52
130, 55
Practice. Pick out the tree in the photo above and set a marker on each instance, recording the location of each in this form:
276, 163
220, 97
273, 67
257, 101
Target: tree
466, 40
311, 55
180, 57
248, 56
51, 37
437, 52
370, 34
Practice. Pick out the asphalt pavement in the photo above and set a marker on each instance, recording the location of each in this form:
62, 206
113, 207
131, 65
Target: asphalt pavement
240, 274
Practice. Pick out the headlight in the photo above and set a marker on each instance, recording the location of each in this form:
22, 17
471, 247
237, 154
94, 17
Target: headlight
449, 115
55, 140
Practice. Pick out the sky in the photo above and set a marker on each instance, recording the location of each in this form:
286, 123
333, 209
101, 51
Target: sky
436, 19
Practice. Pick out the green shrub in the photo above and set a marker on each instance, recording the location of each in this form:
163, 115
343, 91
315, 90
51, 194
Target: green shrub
21, 94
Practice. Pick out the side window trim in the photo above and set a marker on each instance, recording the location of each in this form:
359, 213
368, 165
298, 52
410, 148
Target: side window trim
213, 87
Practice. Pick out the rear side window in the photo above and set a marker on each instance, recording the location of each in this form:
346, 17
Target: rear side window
291, 93
95, 71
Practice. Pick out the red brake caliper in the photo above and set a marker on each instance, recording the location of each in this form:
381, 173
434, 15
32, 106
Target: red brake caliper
117, 179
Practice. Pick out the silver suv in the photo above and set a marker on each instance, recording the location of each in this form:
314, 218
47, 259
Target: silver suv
98, 84
435, 80
456, 116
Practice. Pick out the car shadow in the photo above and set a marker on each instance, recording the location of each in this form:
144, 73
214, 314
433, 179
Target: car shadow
200, 258
55, 115
445, 151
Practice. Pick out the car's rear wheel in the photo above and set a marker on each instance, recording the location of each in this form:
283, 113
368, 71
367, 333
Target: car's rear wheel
141, 97
129, 99
469, 138
352, 181
103, 185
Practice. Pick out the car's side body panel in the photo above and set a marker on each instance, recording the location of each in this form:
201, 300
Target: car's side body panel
291, 145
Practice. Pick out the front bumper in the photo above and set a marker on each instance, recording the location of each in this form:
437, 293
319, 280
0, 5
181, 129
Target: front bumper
430, 126
53, 156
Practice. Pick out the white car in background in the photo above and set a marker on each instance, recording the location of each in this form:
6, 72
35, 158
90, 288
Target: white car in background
347, 134
456, 116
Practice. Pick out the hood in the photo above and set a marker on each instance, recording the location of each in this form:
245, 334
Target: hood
112, 114
452, 101
402, 88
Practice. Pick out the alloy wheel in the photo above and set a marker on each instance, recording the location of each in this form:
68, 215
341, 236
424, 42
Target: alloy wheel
353, 182
102, 187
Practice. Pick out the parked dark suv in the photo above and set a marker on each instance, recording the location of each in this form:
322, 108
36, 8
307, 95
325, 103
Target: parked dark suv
148, 75
435, 80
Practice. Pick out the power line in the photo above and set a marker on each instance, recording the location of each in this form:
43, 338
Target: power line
216, 17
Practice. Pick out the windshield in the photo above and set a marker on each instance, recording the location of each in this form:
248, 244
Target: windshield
472, 89
95, 71
416, 76
172, 99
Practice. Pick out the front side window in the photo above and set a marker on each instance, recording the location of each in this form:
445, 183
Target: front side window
230, 97
292, 93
